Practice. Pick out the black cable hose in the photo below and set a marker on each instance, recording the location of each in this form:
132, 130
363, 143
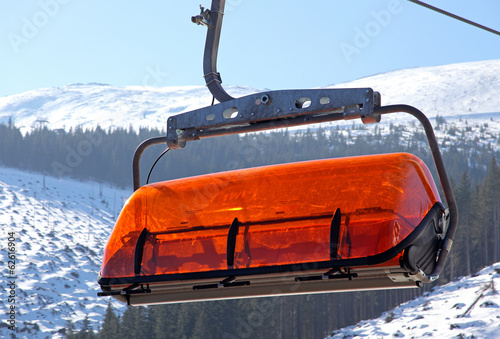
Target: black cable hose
151, 170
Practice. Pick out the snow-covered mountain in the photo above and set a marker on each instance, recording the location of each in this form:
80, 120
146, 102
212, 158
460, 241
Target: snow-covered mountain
467, 308
61, 227
90, 105
464, 90
456, 90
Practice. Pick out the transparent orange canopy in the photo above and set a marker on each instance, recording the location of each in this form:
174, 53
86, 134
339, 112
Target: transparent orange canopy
283, 215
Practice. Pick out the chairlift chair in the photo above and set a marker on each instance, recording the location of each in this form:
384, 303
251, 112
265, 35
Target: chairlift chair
355, 223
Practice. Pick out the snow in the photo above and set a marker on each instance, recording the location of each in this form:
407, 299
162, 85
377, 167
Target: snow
466, 308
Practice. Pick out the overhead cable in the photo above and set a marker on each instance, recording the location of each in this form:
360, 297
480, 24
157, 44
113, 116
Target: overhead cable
467, 21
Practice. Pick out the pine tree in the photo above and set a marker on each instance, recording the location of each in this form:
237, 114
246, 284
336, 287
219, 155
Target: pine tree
86, 332
70, 329
111, 325
130, 322
463, 195
492, 182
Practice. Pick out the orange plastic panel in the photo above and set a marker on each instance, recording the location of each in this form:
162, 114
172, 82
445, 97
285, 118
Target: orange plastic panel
284, 214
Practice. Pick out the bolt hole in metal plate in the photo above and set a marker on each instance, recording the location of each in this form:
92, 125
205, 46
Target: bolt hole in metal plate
324, 100
303, 102
230, 113
210, 117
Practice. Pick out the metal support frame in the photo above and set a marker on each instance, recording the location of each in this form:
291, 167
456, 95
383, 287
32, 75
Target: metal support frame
286, 108
445, 184
136, 170
271, 110
212, 19
252, 116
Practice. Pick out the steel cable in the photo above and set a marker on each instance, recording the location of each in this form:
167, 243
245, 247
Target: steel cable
455, 16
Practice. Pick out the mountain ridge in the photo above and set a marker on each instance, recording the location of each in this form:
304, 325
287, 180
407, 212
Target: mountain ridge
447, 90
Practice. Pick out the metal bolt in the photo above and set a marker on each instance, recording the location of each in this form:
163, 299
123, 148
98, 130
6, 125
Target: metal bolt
252, 114
241, 115
170, 127
278, 110
367, 99
291, 109
194, 134
265, 99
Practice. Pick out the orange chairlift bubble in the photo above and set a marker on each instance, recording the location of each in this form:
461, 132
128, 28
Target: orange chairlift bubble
283, 225
357, 223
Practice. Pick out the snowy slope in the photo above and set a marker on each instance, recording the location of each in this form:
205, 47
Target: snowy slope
467, 308
451, 90
61, 227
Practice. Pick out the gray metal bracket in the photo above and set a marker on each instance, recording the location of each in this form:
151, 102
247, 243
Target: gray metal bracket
270, 110
203, 18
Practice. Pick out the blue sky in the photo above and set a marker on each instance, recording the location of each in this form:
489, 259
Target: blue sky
265, 44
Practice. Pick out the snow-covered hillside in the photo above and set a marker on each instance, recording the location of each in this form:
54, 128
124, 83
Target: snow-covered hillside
453, 90
467, 308
61, 227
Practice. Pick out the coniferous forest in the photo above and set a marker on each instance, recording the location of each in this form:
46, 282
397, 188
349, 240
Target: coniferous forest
105, 156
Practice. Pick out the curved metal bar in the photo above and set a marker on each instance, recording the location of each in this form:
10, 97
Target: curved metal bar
433, 144
212, 77
136, 171
443, 177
